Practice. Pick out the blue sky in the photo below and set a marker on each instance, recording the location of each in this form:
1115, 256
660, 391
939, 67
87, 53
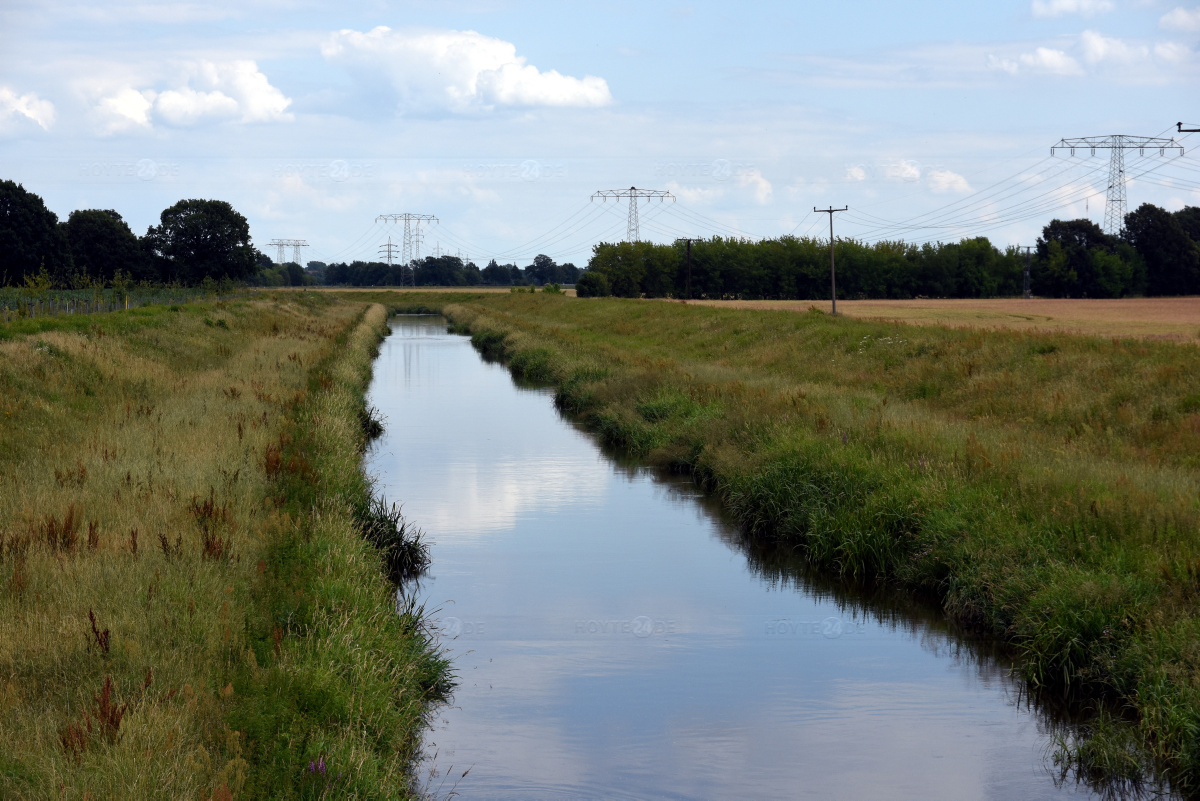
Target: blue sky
931, 121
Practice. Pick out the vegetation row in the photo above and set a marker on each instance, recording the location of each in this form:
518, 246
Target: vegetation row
208, 242
1158, 253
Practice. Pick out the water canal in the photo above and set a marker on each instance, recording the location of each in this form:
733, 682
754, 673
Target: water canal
614, 638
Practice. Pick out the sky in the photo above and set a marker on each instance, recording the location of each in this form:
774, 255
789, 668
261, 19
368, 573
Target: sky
930, 121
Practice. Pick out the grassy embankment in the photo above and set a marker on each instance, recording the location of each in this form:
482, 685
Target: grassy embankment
1042, 487
187, 605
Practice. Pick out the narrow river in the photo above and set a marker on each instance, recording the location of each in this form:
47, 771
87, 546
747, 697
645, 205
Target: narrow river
614, 638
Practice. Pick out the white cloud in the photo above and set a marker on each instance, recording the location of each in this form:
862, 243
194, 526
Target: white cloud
696, 195
186, 106
206, 92
459, 71
29, 106
1182, 19
856, 174
1172, 53
1055, 62
1003, 64
1044, 9
1098, 48
126, 109
762, 187
941, 181
905, 170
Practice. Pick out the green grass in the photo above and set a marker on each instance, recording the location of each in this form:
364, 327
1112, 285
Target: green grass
180, 524
1043, 488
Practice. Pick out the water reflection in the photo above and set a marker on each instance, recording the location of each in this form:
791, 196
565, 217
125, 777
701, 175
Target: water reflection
615, 638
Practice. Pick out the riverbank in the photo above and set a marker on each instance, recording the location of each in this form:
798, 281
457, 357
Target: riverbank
187, 607
1041, 487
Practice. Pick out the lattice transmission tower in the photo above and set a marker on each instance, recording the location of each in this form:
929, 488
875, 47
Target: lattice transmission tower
388, 250
633, 195
1117, 144
410, 249
282, 245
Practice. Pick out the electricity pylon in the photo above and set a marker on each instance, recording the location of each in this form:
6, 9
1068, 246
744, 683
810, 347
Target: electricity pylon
294, 244
633, 194
1117, 144
412, 231
1179, 125
388, 250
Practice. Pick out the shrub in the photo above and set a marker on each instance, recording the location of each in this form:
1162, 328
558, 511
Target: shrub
592, 285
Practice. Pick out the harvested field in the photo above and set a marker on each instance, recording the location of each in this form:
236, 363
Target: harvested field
1174, 319
407, 289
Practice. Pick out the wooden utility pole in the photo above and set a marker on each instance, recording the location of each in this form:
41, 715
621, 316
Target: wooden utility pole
832, 269
689, 262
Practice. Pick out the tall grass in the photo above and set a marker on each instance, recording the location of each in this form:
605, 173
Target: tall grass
155, 498
1043, 488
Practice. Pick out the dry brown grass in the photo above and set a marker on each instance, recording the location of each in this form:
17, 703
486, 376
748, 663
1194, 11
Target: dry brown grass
406, 289
1175, 319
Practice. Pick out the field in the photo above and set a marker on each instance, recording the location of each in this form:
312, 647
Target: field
187, 606
1042, 487
1173, 319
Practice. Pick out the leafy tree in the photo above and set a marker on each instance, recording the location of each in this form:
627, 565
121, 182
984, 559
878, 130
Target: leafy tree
101, 244
592, 284
201, 239
1075, 267
1189, 218
496, 275
31, 240
295, 274
1171, 257
622, 264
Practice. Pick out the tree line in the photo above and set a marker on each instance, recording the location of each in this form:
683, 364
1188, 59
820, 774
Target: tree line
1157, 253
195, 241
445, 271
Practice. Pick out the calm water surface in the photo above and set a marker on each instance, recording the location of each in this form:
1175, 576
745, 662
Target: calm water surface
614, 639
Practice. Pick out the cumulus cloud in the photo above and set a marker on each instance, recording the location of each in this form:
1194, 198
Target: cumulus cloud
28, 106
695, 195
1045, 9
1098, 48
905, 170
459, 71
1043, 59
1181, 19
207, 92
753, 179
941, 181
856, 174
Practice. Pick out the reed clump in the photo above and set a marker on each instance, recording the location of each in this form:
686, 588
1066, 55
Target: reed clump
1043, 487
